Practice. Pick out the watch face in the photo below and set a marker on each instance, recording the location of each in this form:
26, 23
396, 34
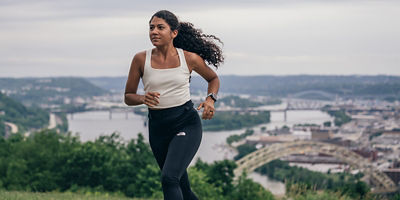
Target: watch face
213, 96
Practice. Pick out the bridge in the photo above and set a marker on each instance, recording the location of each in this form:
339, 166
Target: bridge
313, 93
381, 182
112, 111
296, 104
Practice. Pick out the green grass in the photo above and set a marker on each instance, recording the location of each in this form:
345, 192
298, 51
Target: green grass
17, 195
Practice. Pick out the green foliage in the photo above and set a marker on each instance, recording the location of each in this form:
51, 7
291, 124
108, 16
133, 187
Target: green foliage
358, 190
147, 183
220, 174
49, 90
249, 190
48, 161
305, 180
2, 128
202, 186
221, 184
237, 102
300, 191
243, 150
18, 195
340, 117
231, 120
236, 138
25, 118
396, 196
327, 124
306, 124
377, 134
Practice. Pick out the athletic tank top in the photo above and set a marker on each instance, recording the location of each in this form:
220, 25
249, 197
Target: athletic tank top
171, 83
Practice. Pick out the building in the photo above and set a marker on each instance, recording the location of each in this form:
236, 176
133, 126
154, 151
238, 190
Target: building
321, 134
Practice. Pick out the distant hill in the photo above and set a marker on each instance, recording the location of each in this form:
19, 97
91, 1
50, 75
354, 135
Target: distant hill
115, 84
25, 118
49, 90
301, 86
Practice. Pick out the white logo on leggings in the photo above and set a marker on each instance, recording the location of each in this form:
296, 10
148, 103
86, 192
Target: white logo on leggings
181, 134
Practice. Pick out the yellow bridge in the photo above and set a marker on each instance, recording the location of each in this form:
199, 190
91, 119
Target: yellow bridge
381, 182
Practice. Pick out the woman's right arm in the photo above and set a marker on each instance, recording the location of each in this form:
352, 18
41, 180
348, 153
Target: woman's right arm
135, 72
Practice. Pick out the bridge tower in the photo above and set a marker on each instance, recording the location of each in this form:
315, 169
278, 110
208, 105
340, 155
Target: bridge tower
288, 107
285, 115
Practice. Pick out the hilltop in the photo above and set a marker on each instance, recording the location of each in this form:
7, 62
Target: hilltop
52, 90
24, 118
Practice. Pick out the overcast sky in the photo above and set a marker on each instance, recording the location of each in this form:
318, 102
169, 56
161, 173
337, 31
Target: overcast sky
99, 37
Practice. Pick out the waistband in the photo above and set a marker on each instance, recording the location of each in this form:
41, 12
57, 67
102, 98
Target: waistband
168, 111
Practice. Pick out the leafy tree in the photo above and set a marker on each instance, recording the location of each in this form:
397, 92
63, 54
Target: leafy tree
231, 120
236, 138
221, 175
202, 186
327, 124
249, 190
244, 149
147, 183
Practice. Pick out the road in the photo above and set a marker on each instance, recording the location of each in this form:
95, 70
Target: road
52, 121
14, 128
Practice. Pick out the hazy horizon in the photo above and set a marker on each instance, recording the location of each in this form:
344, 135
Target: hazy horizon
99, 38
196, 75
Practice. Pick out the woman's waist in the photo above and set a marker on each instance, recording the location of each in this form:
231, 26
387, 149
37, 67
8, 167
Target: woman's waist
170, 112
171, 101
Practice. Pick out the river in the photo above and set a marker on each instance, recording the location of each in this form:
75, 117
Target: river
92, 124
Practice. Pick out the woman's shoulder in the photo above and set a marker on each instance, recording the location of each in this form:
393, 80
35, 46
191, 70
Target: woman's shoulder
140, 57
192, 57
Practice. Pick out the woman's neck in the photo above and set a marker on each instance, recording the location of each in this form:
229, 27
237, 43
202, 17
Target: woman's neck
166, 51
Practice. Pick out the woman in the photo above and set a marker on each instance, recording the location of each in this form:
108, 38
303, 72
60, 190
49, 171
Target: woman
174, 125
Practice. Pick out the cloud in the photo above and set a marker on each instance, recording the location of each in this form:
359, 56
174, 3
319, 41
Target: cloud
99, 37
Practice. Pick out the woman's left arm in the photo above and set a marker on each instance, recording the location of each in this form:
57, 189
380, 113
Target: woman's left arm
197, 64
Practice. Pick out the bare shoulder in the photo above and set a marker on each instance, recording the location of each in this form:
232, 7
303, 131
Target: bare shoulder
193, 59
140, 57
138, 61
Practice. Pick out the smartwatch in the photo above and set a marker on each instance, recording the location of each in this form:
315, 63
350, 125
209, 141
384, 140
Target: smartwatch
213, 96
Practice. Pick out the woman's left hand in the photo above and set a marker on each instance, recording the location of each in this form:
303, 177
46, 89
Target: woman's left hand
209, 109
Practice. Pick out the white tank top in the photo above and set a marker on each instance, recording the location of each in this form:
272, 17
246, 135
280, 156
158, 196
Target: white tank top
171, 83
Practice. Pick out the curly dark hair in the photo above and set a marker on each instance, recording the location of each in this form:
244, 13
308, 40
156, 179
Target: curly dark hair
192, 39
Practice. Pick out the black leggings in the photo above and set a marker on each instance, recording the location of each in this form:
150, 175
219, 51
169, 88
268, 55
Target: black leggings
175, 135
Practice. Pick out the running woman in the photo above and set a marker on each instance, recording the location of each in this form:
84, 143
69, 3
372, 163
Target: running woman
175, 129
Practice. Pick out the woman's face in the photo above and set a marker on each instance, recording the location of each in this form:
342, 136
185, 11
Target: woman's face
160, 32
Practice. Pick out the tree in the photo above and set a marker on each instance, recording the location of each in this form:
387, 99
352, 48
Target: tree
201, 186
221, 175
327, 124
249, 190
147, 183
244, 149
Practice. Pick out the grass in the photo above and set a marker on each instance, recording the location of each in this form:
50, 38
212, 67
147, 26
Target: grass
19, 195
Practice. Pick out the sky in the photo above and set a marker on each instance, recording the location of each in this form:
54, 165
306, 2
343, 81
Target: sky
92, 38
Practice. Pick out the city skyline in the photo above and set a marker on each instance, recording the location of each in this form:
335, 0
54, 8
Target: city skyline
99, 38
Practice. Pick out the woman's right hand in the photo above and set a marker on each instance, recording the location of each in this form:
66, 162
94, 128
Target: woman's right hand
151, 99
